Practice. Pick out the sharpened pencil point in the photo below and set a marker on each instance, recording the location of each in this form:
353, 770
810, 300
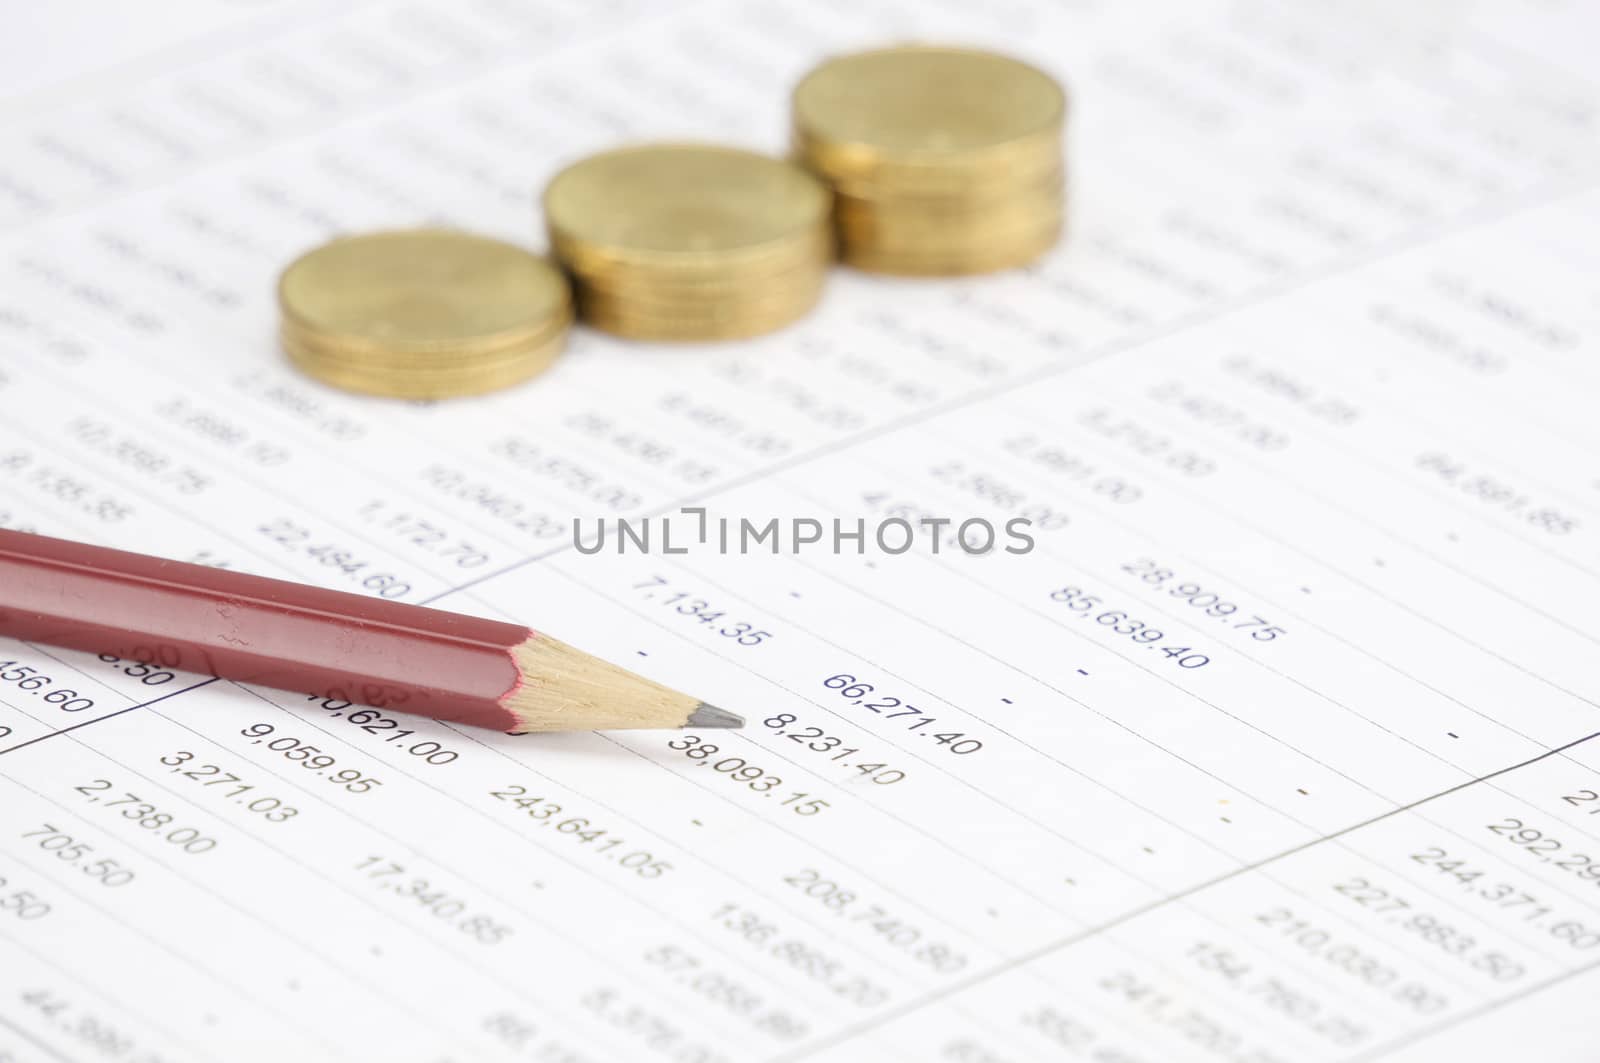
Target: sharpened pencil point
710, 716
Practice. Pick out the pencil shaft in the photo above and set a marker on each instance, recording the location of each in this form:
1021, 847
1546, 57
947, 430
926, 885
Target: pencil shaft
258, 630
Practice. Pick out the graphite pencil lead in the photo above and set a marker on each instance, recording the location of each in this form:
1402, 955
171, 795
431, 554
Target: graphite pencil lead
710, 716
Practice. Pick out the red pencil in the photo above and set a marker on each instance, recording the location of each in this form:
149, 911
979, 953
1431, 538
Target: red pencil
281, 634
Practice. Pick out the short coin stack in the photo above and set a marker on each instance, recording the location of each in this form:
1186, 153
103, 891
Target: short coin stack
689, 241
942, 160
422, 313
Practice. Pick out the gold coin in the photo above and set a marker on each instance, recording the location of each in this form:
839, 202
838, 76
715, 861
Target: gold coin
689, 206
894, 237
1049, 182
802, 289
977, 257
942, 160
951, 214
444, 380
912, 239
859, 166
674, 331
402, 359
421, 289
812, 251
439, 375
924, 106
911, 229
853, 170
716, 321
768, 315
690, 292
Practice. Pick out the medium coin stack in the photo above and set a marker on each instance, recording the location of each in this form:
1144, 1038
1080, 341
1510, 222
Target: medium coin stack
422, 313
942, 160
689, 241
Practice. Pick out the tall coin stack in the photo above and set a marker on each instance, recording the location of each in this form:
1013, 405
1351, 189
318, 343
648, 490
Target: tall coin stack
422, 313
689, 241
942, 160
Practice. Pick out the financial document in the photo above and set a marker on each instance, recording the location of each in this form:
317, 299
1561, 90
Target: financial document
1280, 745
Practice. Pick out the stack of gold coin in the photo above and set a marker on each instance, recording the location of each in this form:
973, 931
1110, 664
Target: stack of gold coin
942, 160
689, 241
422, 313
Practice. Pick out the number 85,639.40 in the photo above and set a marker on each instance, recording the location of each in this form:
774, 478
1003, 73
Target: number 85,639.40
1086, 606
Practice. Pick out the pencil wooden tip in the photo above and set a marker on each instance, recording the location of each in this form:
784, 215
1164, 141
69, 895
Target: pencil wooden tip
564, 689
710, 716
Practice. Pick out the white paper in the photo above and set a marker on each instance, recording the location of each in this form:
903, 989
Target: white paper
1320, 346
